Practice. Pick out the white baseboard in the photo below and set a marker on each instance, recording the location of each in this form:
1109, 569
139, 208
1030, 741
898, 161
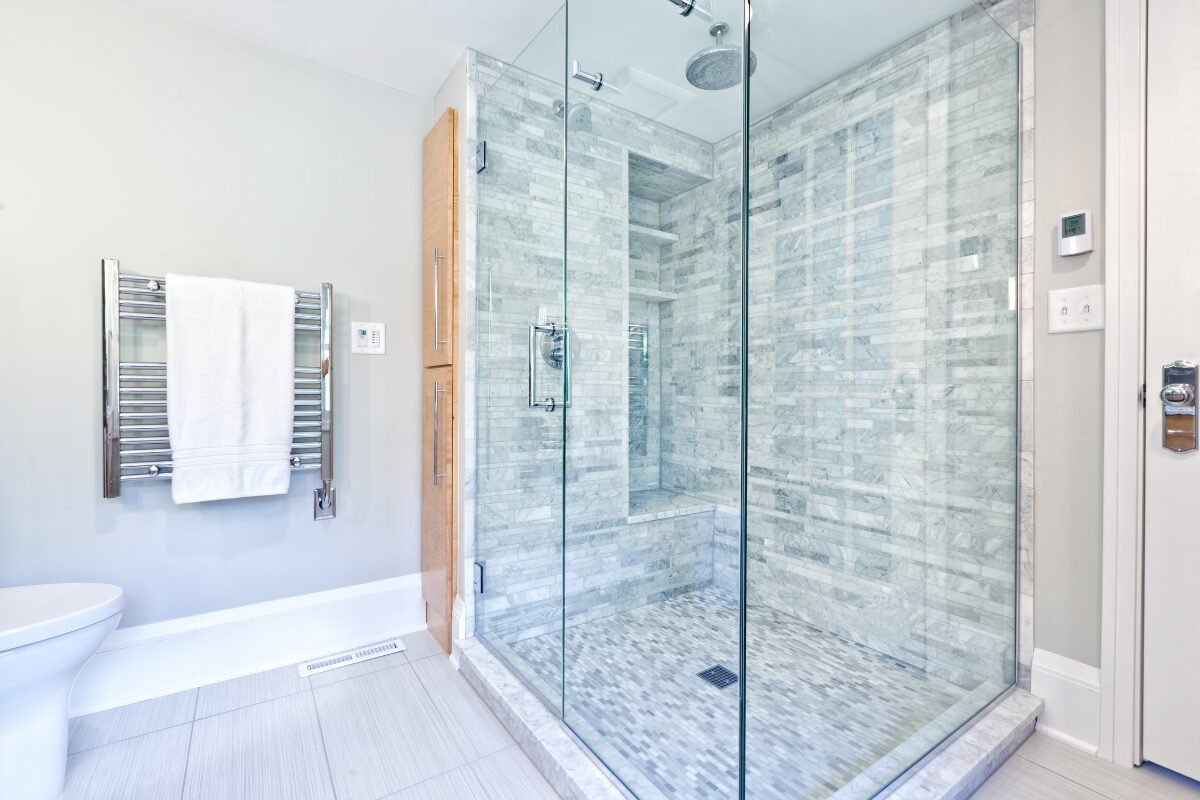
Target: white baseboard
1071, 690
147, 661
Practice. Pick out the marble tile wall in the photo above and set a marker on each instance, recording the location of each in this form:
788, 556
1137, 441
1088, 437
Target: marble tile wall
883, 358
518, 266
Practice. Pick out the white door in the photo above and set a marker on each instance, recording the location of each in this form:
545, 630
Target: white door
1171, 676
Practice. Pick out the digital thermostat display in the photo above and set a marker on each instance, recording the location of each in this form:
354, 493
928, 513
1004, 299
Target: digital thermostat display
1074, 225
1075, 233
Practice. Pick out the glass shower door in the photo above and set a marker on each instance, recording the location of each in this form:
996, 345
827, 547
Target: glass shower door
651, 493
747, 399
881, 511
520, 366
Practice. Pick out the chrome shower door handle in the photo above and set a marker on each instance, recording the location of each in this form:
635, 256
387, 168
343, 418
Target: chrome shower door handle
558, 357
437, 393
438, 341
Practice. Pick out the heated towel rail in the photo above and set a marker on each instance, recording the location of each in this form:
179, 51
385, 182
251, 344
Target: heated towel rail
136, 445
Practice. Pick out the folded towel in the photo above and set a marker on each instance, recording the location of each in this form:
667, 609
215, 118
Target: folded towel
231, 361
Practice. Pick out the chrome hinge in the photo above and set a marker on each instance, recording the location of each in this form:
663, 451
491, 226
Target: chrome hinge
478, 578
1142, 396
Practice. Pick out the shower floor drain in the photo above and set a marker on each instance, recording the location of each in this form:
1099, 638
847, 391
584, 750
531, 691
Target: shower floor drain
719, 676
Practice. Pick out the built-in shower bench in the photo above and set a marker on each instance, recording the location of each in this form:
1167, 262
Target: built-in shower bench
654, 504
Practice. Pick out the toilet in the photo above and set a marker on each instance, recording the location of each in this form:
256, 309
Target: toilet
47, 633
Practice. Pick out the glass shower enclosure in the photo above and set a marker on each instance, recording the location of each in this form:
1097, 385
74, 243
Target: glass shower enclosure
746, 365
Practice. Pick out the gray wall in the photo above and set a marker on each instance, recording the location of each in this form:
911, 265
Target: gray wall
1068, 416
132, 136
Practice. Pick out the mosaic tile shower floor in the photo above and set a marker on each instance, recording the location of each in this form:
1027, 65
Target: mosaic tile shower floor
822, 711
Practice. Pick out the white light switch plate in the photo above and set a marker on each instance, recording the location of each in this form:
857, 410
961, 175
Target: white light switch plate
1078, 309
367, 338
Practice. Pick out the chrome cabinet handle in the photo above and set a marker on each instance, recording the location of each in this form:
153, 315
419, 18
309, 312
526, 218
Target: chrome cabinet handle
437, 392
438, 341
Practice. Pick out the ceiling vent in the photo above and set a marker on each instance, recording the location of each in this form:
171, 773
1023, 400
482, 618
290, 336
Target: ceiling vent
644, 94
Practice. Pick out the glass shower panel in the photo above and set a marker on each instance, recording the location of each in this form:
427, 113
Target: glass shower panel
518, 257
653, 277
882, 467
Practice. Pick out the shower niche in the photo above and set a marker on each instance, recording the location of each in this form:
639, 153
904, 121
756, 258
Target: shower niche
653, 245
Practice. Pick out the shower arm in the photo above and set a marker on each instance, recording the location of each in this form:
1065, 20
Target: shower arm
686, 7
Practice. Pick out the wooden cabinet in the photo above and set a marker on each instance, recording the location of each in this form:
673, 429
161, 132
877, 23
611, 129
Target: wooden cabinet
438, 540
440, 237
439, 478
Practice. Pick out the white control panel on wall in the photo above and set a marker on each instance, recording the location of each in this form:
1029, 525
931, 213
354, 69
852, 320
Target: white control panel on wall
367, 338
1077, 309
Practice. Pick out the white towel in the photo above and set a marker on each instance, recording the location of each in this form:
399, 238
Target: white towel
231, 360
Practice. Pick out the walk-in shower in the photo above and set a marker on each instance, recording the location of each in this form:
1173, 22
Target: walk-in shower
768, 547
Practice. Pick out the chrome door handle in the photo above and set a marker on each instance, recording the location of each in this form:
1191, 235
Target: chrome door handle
1176, 395
1178, 398
558, 357
437, 392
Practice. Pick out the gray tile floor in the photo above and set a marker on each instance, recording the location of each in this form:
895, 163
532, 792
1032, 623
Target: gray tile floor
822, 711
1046, 769
402, 727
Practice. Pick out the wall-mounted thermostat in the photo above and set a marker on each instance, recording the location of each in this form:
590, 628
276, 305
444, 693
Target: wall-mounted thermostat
1075, 233
367, 338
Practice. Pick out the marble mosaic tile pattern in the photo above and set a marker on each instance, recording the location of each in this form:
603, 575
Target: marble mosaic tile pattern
822, 709
883, 357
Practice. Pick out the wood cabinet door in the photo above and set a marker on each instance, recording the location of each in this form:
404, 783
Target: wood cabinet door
438, 540
440, 237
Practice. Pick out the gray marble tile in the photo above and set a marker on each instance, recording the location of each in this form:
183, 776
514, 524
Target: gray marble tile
475, 728
149, 767
355, 670
268, 751
558, 755
241, 692
126, 722
384, 733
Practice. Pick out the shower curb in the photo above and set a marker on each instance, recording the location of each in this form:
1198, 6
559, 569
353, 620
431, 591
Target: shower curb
952, 772
963, 764
563, 761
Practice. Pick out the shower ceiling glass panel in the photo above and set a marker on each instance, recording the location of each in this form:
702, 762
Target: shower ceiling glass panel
768, 548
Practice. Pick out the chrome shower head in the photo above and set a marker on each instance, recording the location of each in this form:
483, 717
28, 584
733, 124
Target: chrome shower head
718, 66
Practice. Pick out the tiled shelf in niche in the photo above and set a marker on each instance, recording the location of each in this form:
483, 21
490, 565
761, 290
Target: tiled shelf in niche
652, 235
651, 295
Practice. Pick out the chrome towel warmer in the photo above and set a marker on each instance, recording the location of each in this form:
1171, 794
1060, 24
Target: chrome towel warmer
136, 445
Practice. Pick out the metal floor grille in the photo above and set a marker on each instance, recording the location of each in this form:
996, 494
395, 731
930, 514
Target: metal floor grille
719, 676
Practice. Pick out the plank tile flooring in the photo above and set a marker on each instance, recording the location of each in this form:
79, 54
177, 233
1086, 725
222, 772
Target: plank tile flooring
1046, 769
407, 727
402, 727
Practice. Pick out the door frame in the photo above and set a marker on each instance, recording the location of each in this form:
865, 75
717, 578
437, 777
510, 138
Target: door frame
1120, 733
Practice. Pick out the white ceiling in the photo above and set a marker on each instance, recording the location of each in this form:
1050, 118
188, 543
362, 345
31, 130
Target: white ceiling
800, 46
409, 45
412, 45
